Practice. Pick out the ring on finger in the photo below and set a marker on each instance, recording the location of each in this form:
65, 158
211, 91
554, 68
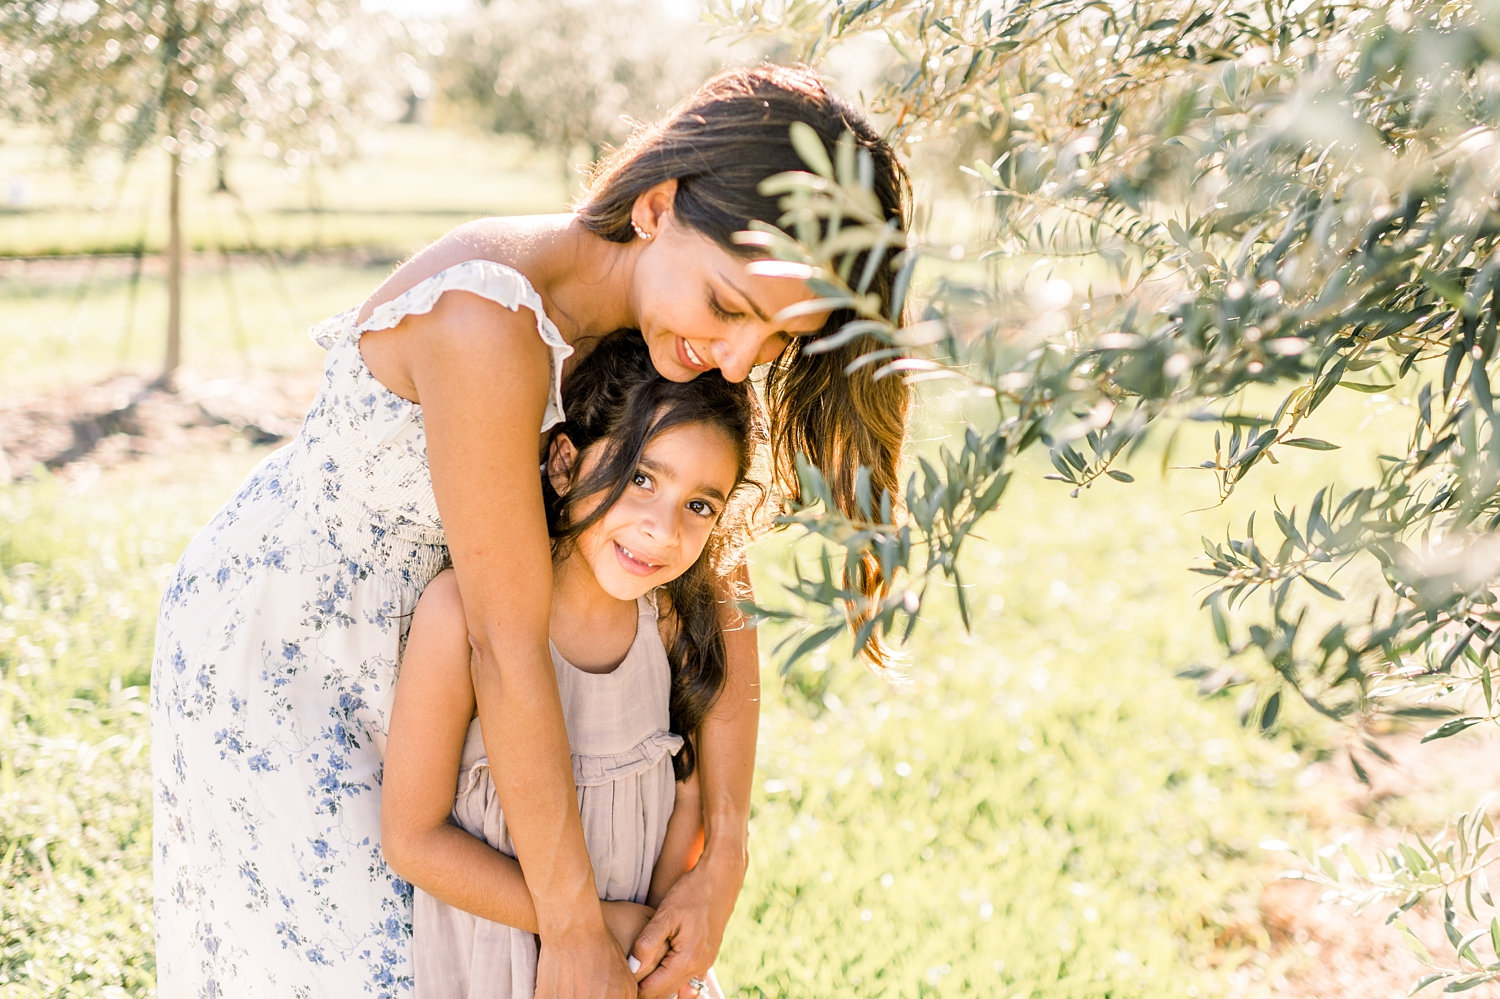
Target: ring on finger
697, 984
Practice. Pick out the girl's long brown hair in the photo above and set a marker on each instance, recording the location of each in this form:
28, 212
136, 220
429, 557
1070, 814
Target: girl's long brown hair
617, 403
719, 145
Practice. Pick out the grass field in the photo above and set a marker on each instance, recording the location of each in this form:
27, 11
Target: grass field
1044, 811
408, 185
76, 323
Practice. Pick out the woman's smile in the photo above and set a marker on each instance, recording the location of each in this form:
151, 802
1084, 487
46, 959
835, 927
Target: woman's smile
703, 308
689, 357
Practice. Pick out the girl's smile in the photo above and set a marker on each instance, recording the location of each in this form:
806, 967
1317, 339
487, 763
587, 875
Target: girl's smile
634, 563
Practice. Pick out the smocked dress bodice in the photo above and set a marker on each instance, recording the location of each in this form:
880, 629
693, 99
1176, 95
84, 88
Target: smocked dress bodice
361, 456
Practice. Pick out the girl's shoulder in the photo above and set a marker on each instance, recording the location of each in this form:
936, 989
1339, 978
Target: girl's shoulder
441, 590
441, 606
435, 661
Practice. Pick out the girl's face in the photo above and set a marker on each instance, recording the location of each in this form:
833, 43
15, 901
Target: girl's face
657, 528
701, 307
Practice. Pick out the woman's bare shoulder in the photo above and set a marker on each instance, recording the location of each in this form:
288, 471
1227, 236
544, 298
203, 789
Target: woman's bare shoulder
463, 330
508, 240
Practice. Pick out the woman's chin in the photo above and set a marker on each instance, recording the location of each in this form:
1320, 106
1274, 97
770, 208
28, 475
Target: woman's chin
673, 371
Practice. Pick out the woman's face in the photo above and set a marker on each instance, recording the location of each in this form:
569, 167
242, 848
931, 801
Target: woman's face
701, 307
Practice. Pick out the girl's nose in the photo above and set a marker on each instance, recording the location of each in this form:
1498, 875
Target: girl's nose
657, 524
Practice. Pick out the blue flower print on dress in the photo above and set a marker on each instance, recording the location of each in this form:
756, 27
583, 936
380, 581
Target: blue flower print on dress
274, 673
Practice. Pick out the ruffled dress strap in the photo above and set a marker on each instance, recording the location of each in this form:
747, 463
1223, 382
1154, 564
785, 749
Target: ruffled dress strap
488, 279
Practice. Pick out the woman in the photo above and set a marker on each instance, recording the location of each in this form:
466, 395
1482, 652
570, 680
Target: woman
279, 635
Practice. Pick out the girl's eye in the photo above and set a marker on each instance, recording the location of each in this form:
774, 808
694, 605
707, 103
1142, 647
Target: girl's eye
719, 310
703, 508
641, 479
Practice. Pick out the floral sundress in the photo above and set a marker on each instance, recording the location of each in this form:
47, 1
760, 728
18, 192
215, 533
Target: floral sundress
273, 679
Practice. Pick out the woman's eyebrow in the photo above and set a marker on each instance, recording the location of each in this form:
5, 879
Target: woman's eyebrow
748, 300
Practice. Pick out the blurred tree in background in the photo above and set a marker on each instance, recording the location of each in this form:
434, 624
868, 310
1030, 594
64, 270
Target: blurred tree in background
296, 79
1192, 204
571, 74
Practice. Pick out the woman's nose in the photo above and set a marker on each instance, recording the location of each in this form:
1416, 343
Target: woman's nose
735, 356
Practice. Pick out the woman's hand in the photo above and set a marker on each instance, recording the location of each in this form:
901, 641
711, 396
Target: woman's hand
682, 940
583, 967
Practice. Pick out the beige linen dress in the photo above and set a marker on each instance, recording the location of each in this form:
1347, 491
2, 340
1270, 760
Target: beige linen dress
622, 764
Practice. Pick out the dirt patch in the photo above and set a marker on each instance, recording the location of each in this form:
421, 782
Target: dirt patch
1321, 946
127, 417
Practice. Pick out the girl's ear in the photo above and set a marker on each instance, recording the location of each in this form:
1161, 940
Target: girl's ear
560, 457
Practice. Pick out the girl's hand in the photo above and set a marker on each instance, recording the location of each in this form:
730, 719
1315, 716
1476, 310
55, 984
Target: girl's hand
626, 920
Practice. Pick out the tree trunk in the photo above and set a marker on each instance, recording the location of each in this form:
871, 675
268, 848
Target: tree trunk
221, 166
174, 273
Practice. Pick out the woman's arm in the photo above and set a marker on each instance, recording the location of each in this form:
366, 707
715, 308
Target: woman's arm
424, 749
482, 376
683, 938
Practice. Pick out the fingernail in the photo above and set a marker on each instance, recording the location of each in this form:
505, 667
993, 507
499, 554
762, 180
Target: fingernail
633, 964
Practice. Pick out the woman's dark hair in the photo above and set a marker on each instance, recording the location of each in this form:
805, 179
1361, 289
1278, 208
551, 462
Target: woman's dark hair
719, 145
615, 400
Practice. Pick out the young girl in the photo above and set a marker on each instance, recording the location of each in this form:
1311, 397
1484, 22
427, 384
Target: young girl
642, 505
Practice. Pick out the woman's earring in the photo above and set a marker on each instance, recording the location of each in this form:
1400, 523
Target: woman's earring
642, 233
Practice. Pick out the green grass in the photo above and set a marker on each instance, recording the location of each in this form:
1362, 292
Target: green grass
408, 185
1045, 811
86, 322
1007, 828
